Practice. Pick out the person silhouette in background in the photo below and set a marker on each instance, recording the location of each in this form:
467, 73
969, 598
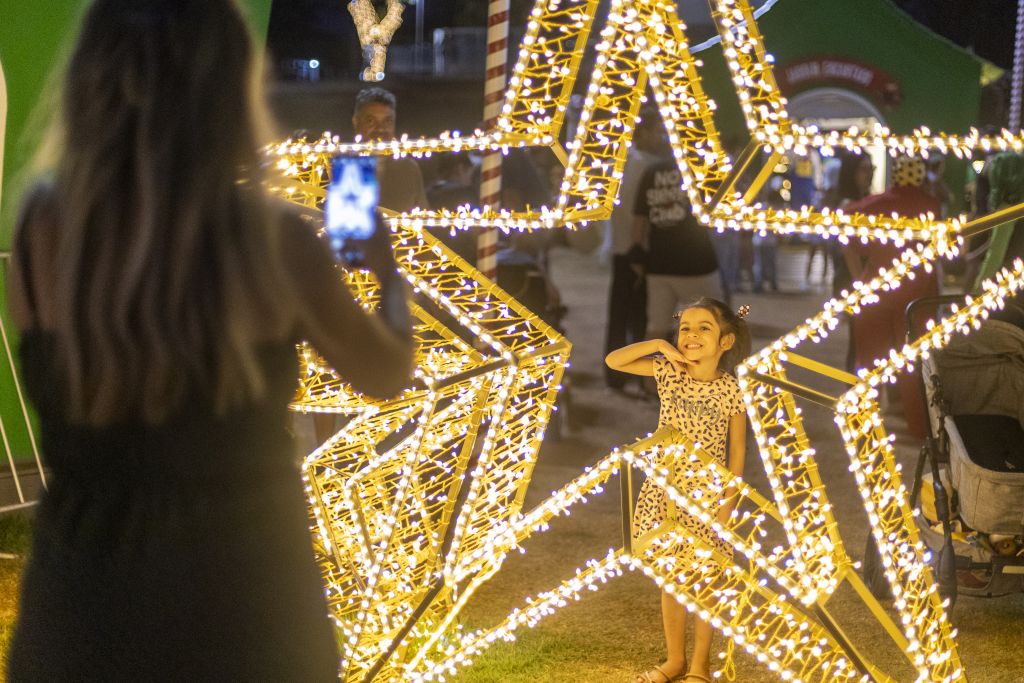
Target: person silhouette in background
1005, 172
673, 249
456, 187
401, 181
627, 297
160, 294
880, 327
853, 183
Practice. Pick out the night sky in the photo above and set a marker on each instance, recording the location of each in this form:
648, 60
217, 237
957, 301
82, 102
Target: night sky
985, 26
323, 29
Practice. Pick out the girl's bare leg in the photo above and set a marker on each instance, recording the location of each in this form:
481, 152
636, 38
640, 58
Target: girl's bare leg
673, 617
700, 663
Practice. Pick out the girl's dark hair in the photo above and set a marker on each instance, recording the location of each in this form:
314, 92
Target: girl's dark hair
731, 323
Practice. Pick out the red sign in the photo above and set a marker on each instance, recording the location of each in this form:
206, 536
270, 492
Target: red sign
841, 72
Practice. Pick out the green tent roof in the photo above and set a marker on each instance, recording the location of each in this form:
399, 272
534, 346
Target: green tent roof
940, 82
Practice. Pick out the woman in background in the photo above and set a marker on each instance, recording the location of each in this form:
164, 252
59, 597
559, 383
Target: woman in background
856, 172
1006, 188
882, 326
160, 294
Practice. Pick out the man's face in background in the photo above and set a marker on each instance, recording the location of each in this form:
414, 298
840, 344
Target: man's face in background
374, 121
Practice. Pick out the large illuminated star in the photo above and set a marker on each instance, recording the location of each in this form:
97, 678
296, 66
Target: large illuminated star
405, 498
394, 494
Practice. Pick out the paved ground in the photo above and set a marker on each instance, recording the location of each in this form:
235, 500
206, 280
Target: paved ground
611, 634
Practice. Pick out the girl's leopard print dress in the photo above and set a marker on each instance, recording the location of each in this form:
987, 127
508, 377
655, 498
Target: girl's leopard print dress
701, 412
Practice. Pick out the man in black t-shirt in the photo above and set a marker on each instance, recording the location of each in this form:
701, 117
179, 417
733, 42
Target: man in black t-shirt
672, 247
627, 296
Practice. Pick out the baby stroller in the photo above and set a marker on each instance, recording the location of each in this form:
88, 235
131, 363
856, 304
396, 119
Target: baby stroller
969, 478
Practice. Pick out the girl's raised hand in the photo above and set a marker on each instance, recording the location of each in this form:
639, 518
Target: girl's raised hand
674, 356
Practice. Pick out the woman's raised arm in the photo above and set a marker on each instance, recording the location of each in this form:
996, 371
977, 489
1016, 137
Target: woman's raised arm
372, 351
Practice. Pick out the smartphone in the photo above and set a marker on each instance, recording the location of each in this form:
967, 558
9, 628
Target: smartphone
351, 207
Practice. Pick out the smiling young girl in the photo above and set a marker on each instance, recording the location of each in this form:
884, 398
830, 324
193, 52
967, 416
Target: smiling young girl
701, 399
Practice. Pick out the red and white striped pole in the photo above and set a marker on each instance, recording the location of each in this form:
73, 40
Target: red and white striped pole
494, 91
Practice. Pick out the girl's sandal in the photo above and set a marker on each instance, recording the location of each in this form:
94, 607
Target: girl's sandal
703, 679
645, 677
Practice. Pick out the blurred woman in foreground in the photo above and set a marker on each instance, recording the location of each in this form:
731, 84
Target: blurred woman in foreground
160, 294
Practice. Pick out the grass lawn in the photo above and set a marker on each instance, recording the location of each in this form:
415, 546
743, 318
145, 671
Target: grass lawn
15, 534
605, 636
614, 633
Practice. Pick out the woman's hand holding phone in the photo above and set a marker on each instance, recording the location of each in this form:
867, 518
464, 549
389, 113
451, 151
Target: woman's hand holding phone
360, 236
351, 217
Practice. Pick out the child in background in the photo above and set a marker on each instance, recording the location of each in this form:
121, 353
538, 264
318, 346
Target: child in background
702, 400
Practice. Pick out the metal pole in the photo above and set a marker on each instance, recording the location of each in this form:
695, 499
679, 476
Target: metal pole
490, 170
626, 506
418, 59
1017, 79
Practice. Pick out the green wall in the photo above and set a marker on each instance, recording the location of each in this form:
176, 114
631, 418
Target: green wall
34, 35
34, 38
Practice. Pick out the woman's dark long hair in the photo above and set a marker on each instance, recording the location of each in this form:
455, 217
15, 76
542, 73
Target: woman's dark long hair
846, 188
166, 271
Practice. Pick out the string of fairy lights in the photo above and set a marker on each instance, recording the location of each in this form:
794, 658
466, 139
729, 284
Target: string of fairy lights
436, 467
416, 502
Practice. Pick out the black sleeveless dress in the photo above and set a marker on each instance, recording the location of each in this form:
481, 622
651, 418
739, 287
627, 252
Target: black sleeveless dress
171, 552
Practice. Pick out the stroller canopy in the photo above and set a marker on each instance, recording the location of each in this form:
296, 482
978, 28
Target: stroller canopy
983, 373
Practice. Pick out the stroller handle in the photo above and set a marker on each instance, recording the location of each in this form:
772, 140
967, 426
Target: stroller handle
925, 303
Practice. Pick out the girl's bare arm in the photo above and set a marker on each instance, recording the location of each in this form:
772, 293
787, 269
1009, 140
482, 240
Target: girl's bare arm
636, 358
737, 458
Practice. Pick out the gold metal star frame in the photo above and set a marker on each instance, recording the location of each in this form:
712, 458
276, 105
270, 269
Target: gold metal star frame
417, 501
